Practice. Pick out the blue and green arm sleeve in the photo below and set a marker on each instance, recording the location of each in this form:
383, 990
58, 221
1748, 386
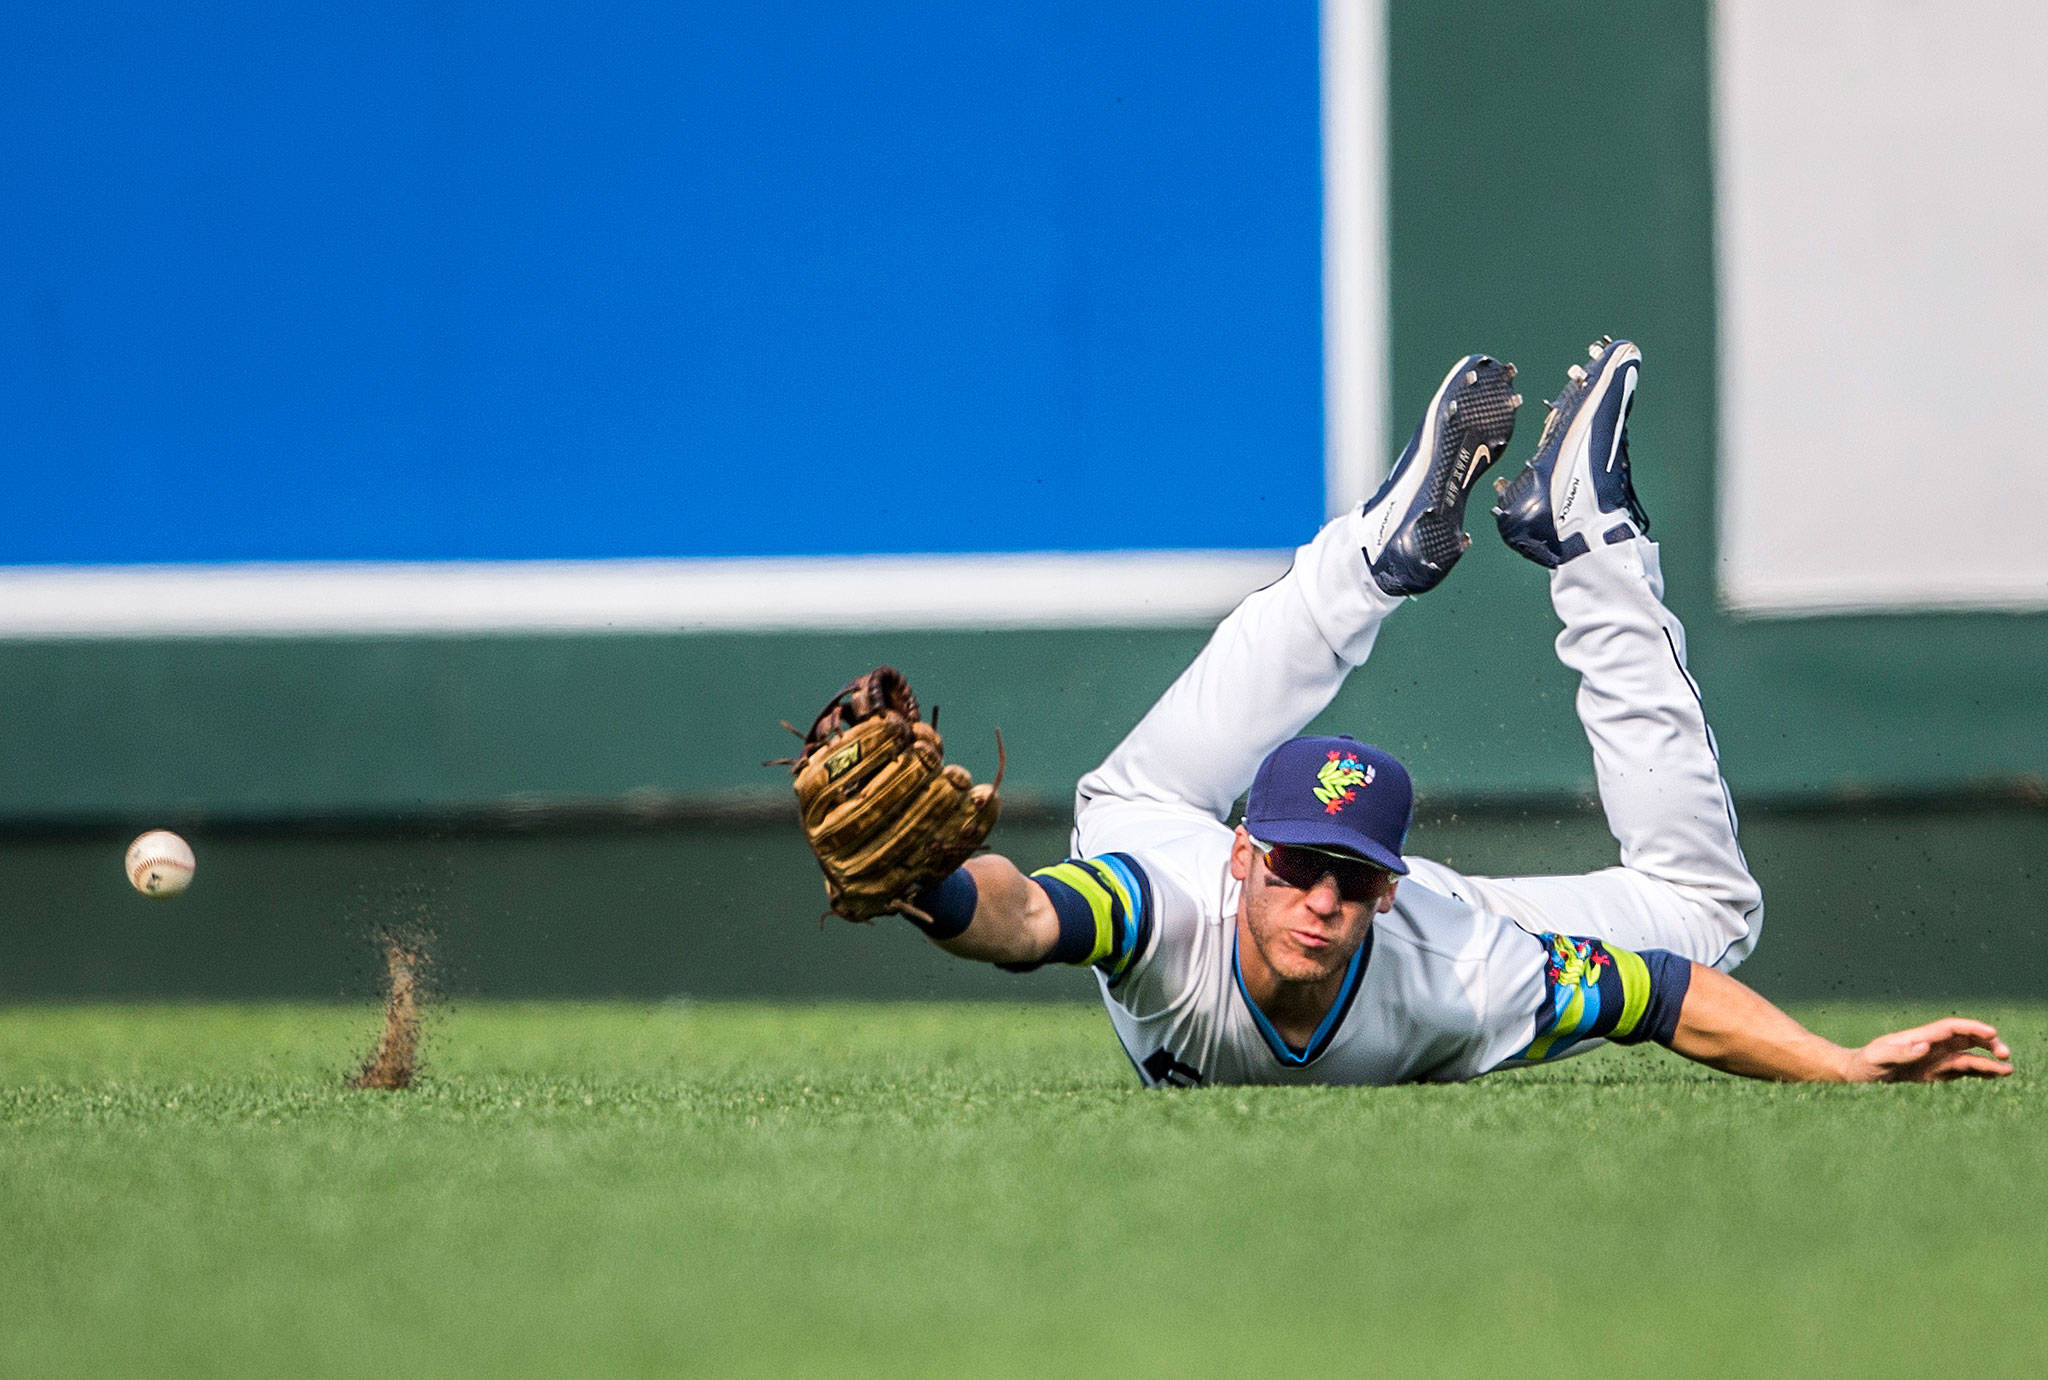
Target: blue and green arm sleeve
1595, 990
1105, 909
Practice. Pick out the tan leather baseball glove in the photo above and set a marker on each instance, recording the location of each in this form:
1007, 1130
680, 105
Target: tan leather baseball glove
881, 808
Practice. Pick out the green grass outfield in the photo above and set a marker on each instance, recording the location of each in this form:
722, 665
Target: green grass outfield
715, 1189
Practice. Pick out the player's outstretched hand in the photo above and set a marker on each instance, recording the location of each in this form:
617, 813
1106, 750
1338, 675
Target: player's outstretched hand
1932, 1053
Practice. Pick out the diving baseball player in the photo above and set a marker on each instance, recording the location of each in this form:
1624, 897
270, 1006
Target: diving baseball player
1304, 945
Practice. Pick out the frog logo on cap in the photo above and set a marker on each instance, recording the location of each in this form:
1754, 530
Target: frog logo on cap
1338, 780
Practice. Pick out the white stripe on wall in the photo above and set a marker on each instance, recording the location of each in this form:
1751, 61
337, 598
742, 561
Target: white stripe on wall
1040, 590
1355, 368
1882, 234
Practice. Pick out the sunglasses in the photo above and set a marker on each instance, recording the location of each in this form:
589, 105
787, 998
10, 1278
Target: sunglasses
1302, 868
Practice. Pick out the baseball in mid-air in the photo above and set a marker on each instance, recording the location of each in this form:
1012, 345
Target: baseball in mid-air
160, 864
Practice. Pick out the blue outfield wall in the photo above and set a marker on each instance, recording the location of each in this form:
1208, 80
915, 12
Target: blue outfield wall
448, 282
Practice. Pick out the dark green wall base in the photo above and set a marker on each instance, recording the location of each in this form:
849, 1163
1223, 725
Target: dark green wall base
396, 726
1463, 686
1903, 904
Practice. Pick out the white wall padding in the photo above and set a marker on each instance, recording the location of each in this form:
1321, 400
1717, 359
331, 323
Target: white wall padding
1883, 245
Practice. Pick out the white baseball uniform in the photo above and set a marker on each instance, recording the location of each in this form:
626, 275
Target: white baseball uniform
1466, 974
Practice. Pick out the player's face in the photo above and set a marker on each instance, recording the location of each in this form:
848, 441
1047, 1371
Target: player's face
1305, 933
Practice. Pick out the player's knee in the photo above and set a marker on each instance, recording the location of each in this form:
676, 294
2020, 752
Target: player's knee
1740, 948
1090, 800
1735, 923
1731, 903
1714, 925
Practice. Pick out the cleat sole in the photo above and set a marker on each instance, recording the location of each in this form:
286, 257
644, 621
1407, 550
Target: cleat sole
1473, 422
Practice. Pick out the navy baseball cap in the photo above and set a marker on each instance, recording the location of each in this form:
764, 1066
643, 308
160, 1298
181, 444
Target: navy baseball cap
1333, 793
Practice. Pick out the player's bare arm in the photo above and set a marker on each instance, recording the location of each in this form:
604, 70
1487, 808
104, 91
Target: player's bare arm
1731, 1027
1013, 920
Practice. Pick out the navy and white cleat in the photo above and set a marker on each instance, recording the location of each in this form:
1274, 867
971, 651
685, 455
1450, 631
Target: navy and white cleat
1575, 493
1415, 524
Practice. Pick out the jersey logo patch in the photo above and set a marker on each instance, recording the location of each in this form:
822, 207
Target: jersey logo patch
1338, 780
1572, 960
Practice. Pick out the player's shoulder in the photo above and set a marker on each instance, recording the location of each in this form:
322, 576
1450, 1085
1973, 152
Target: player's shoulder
1189, 870
1428, 919
1177, 884
1181, 853
1175, 889
1143, 901
1457, 968
1171, 839
1447, 952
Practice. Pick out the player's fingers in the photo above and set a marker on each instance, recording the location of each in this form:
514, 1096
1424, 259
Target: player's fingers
1950, 1035
1992, 1042
1962, 1040
1968, 1066
1949, 1027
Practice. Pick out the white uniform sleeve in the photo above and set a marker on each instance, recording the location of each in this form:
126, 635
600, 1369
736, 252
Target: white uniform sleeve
1152, 876
1140, 916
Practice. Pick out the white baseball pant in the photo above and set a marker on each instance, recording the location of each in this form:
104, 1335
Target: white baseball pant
1281, 656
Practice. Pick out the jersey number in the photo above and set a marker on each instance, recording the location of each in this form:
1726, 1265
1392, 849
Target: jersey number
1161, 1067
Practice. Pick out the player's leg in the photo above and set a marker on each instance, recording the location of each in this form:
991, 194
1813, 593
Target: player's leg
1683, 884
1279, 658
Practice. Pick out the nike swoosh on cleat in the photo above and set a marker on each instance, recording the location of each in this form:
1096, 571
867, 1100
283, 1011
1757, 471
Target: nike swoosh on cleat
1628, 389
